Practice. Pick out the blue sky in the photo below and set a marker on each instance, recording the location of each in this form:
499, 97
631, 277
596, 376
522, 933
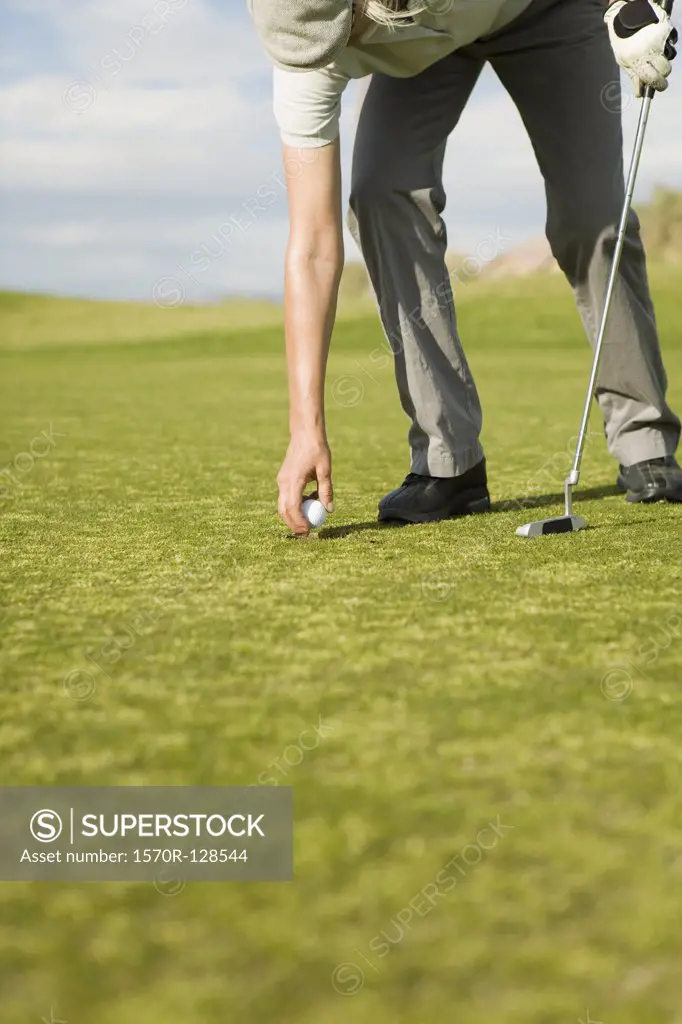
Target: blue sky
130, 133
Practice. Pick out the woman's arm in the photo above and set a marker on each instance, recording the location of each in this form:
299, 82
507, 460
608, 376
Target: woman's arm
314, 261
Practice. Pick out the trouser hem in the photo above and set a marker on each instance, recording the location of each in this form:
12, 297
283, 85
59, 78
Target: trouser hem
446, 464
643, 445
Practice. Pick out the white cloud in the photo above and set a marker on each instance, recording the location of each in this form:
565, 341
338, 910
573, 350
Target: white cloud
182, 139
180, 115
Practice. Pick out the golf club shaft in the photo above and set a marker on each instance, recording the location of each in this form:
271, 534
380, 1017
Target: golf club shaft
574, 476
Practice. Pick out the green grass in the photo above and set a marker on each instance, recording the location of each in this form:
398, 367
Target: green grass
40, 321
37, 321
462, 669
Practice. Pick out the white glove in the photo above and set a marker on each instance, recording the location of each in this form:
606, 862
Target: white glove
643, 37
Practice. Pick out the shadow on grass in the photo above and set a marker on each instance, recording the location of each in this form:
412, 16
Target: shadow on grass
510, 505
334, 532
540, 500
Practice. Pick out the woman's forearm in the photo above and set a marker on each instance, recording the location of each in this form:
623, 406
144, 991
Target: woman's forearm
314, 262
311, 290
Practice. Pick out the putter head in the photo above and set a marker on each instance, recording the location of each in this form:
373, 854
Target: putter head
560, 524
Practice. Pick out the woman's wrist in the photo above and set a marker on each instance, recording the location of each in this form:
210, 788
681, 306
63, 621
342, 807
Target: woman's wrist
310, 424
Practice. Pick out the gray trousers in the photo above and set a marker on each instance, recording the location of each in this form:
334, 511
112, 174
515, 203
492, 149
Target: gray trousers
556, 63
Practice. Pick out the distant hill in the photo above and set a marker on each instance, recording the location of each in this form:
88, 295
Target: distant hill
29, 320
661, 220
531, 257
661, 225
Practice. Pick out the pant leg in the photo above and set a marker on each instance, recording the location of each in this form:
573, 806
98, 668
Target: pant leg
397, 199
557, 64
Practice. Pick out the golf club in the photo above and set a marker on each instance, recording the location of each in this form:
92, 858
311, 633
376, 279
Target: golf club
569, 523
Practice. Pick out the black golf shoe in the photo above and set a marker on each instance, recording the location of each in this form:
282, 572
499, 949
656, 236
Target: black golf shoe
426, 499
653, 480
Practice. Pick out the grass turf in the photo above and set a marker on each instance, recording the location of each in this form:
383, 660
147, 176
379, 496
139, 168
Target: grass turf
463, 677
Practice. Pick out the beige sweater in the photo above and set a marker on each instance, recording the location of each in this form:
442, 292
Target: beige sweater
308, 103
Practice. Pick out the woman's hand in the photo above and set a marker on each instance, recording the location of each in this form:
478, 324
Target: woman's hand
308, 459
643, 40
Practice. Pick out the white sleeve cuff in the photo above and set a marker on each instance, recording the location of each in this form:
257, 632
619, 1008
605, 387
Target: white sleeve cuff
307, 106
302, 142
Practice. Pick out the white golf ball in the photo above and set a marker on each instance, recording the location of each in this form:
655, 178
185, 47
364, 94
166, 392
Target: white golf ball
314, 511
